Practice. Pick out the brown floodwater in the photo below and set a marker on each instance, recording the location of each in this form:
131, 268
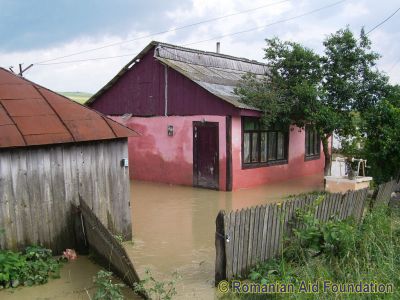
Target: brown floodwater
174, 228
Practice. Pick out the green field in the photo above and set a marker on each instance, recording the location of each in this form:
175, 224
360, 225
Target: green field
80, 97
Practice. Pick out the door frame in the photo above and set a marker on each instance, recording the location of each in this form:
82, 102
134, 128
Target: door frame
228, 125
195, 178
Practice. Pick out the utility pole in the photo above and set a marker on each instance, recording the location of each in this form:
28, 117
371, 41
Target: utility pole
21, 71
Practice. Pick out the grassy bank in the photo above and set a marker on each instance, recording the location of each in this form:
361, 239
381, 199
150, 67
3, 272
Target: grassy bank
339, 252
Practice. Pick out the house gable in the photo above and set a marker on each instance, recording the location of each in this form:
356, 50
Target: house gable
141, 92
157, 84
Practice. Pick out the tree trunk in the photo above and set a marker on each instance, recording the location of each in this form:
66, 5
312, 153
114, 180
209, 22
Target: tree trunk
325, 146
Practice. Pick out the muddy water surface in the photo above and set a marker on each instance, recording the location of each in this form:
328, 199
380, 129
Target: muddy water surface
174, 226
173, 229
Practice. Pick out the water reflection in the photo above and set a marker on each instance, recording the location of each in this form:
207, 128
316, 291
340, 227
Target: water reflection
174, 226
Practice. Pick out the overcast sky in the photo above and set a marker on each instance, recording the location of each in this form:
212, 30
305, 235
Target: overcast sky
34, 31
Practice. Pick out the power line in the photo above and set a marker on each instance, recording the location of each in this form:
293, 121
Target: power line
270, 24
165, 31
87, 59
383, 22
395, 64
216, 37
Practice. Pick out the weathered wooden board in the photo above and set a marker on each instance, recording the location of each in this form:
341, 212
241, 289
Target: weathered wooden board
385, 191
102, 241
38, 185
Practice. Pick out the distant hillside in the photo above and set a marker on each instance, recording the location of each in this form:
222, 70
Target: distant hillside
80, 97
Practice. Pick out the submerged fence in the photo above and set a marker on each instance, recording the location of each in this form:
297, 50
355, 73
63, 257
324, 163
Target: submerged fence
255, 234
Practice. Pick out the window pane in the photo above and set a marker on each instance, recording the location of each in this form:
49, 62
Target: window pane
316, 140
263, 149
250, 124
281, 146
313, 142
254, 148
271, 145
307, 141
246, 147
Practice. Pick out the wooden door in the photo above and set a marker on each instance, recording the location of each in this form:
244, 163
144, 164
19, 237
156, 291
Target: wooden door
205, 155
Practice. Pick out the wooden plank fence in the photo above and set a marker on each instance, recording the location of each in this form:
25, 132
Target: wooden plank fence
255, 234
39, 185
110, 251
385, 191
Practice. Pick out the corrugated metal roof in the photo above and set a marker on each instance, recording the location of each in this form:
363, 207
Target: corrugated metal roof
219, 82
209, 59
217, 73
33, 115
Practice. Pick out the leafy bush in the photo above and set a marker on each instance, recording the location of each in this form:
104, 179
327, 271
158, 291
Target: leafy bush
339, 238
12, 267
33, 266
106, 289
334, 238
161, 290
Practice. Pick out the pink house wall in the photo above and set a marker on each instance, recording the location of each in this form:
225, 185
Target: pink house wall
296, 167
155, 156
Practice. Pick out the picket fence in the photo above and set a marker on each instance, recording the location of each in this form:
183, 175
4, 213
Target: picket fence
245, 237
385, 191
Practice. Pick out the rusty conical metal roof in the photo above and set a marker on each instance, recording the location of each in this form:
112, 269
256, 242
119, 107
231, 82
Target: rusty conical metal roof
33, 115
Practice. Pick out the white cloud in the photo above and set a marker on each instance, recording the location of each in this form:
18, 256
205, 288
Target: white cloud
355, 10
310, 30
78, 76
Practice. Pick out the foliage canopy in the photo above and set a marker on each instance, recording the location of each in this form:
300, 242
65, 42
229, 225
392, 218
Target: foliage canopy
323, 90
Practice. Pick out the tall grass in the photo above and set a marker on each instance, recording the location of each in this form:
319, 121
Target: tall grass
338, 251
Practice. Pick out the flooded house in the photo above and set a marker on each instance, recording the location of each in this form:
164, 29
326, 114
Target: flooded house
194, 129
54, 152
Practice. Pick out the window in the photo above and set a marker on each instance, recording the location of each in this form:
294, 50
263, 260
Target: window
313, 143
261, 146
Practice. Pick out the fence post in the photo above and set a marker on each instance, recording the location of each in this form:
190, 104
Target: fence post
220, 255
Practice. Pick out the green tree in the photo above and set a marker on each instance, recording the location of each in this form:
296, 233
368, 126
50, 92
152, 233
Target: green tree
381, 127
289, 89
325, 91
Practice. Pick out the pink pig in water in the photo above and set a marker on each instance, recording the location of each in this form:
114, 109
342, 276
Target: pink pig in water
70, 254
